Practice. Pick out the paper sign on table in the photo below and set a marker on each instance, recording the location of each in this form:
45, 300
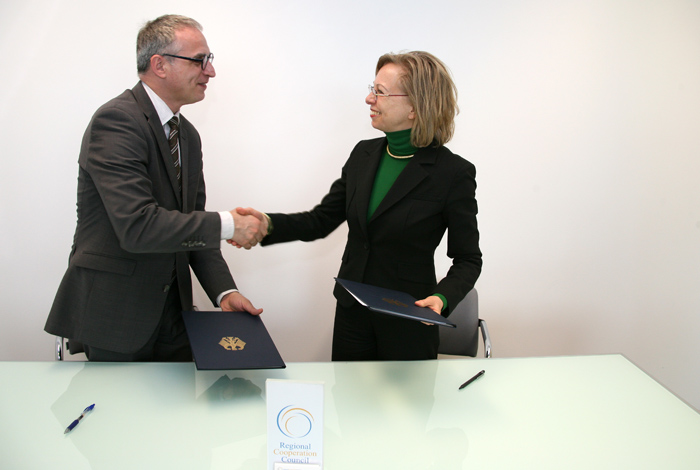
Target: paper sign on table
294, 425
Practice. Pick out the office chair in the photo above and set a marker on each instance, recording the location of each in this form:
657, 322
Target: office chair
59, 348
464, 340
63, 345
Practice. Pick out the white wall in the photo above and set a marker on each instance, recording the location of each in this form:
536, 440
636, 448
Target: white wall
581, 117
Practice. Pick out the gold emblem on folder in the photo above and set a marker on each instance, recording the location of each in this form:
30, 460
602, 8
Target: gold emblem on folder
395, 302
232, 344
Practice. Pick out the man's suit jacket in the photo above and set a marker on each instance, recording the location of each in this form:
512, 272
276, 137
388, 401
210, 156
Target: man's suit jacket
395, 248
135, 228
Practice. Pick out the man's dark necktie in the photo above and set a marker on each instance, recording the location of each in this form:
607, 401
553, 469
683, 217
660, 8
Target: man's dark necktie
174, 142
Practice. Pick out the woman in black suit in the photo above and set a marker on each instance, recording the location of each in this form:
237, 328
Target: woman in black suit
398, 194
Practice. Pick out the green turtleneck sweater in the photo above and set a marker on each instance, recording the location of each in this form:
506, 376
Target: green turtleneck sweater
389, 169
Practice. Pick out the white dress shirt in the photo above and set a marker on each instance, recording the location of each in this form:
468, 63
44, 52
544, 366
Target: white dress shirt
165, 114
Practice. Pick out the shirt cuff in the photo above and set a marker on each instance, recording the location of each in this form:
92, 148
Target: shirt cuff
222, 295
444, 301
227, 226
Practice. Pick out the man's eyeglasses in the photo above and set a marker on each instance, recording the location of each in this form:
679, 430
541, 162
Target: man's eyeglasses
376, 94
206, 60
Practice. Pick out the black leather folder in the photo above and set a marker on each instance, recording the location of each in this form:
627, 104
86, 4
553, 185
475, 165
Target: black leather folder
392, 302
230, 340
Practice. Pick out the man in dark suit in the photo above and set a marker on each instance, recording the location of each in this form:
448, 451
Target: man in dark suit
141, 212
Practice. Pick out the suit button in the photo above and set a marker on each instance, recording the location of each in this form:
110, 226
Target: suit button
166, 288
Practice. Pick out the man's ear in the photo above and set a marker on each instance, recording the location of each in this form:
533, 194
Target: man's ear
158, 65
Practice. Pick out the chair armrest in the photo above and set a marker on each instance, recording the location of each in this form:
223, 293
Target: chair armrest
59, 348
486, 337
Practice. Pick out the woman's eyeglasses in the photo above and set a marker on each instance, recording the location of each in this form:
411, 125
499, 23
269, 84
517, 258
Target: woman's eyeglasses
376, 94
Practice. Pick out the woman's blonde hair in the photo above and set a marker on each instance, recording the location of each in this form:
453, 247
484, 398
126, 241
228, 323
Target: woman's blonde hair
432, 93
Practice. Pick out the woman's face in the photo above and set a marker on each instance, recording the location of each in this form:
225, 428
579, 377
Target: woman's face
390, 113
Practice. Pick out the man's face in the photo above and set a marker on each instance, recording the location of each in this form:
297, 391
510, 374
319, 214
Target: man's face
186, 82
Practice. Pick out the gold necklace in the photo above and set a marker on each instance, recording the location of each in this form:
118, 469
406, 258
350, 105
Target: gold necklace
396, 156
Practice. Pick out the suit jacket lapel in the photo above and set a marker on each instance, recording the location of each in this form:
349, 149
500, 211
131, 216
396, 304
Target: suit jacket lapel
409, 178
144, 101
365, 182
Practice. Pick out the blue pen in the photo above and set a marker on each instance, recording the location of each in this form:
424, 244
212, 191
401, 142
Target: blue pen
75, 423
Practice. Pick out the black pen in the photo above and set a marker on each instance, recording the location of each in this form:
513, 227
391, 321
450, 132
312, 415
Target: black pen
75, 422
472, 379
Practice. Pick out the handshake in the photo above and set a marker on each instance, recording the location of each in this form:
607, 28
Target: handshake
250, 227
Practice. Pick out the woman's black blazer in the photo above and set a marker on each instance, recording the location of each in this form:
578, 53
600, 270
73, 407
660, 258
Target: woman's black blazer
395, 248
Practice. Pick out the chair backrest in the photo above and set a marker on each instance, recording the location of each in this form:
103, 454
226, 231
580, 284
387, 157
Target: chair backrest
463, 340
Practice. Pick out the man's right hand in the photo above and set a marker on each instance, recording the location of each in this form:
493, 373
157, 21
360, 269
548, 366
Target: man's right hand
250, 227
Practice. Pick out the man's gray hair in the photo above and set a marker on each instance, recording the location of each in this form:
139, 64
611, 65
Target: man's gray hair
157, 36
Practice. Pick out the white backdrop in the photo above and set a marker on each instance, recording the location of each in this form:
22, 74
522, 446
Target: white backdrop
582, 119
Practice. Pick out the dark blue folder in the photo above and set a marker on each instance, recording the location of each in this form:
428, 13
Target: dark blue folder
230, 340
392, 302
